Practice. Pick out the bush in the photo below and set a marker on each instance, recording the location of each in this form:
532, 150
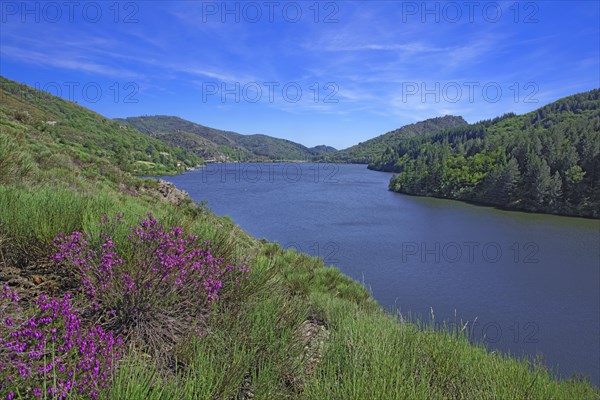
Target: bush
48, 351
159, 291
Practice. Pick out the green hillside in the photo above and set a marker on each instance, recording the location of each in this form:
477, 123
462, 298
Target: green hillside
219, 145
81, 134
115, 288
547, 160
366, 152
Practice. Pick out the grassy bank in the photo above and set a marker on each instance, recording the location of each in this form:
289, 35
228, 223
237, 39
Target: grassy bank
291, 329
256, 339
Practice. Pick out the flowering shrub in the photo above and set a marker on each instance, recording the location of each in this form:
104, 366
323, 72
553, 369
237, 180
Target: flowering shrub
161, 293
48, 352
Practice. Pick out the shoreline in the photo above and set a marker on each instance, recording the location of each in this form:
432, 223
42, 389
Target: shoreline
465, 201
421, 320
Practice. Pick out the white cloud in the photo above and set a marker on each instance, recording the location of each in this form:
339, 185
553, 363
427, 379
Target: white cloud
65, 60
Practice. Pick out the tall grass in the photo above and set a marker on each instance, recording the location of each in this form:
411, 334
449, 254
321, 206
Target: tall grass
31, 217
50, 182
252, 345
369, 354
14, 164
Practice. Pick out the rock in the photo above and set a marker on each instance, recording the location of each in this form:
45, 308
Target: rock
170, 192
245, 390
312, 334
19, 282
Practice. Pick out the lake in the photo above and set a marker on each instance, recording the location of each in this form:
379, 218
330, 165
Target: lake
527, 283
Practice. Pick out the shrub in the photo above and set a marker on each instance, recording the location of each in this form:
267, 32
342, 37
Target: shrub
47, 352
159, 291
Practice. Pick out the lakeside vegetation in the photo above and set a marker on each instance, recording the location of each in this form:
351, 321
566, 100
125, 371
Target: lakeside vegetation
291, 328
369, 150
547, 160
544, 161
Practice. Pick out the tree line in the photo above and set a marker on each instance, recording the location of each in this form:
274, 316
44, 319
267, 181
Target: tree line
545, 161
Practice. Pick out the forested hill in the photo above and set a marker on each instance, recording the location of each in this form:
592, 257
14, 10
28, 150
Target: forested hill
545, 161
57, 133
220, 145
366, 152
225, 315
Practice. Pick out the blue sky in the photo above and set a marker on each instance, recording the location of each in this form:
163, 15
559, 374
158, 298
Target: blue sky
334, 73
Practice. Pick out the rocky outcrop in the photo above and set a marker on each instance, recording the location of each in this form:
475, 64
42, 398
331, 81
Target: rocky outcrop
312, 334
170, 193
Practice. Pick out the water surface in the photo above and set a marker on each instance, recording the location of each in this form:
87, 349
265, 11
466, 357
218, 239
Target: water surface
528, 283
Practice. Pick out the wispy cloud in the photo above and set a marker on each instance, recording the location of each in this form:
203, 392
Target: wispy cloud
371, 54
220, 76
66, 60
408, 48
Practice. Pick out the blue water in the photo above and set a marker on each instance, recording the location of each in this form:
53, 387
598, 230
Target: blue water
526, 283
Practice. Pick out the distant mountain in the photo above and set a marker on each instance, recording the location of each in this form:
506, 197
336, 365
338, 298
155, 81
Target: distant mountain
366, 152
218, 145
547, 160
322, 149
65, 168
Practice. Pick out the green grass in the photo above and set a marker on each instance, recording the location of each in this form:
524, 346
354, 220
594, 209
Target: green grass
31, 217
369, 354
253, 336
85, 134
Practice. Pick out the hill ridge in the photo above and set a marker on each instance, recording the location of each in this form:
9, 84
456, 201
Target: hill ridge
220, 145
